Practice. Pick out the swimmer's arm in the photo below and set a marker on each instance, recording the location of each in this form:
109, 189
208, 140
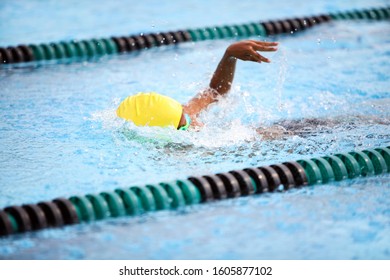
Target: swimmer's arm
244, 50
223, 76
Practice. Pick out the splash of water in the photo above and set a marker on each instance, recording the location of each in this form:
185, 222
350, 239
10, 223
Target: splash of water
283, 63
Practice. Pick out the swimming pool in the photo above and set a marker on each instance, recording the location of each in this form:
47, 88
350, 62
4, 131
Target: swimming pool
60, 136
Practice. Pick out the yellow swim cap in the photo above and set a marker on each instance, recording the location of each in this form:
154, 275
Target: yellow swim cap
150, 109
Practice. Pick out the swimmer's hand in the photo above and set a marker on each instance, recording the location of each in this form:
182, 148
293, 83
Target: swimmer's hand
248, 50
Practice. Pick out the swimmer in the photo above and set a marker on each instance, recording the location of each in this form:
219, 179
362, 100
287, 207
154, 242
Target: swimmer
153, 109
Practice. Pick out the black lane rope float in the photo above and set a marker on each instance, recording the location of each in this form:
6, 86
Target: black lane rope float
136, 200
86, 49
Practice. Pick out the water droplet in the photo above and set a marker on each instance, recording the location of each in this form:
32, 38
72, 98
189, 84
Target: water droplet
318, 41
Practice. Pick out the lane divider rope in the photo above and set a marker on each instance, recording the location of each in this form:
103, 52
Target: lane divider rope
136, 200
86, 49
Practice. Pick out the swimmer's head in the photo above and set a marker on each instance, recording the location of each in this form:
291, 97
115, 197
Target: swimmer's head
152, 109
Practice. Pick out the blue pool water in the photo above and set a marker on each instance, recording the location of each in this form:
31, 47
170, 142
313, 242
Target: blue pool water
60, 136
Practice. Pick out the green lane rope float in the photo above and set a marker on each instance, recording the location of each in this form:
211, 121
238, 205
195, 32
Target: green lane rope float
86, 49
136, 200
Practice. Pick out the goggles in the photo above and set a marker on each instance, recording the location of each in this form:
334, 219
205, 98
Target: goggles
188, 122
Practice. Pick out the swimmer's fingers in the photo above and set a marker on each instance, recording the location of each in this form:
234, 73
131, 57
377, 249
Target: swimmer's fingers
264, 59
265, 46
259, 46
256, 57
248, 50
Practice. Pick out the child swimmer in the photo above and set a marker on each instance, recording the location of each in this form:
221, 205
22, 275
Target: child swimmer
153, 109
